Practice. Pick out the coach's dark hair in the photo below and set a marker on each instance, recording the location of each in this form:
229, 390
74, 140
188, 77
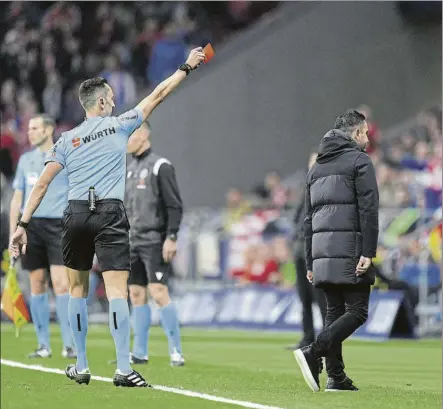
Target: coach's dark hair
90, 90
47, 120
347, 121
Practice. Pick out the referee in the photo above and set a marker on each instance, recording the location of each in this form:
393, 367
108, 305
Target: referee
94, 154
155, 210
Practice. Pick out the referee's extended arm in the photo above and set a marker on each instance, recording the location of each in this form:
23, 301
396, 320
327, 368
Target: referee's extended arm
162, 90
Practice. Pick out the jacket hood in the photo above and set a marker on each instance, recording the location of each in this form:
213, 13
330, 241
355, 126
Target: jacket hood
334, 144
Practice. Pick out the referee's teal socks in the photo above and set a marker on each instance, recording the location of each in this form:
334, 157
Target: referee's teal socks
120, 325
78, 318
171, 326
141, 321
61, 307
40, 317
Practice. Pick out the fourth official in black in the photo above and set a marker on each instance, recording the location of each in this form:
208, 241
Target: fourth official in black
341, 234
155, 211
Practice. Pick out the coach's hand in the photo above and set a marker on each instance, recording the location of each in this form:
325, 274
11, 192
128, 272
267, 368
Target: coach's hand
196, 57
18, 239
363, 265
169, 250
310, 276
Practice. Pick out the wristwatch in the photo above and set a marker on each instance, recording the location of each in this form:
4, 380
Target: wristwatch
22, 224
172, 237
186, 68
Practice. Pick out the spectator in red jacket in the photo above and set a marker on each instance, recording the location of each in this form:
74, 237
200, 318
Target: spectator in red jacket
260, 268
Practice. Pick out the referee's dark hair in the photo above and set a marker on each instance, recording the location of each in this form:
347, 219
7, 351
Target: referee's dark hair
349, 120
48, 120
90, 90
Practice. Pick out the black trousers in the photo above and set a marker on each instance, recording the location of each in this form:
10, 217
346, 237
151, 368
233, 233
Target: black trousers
308, 295
347, 310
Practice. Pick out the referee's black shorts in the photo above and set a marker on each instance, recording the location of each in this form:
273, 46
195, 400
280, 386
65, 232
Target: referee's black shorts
148, 266
104, 232
44, 246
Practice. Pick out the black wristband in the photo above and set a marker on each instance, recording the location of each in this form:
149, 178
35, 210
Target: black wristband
186, 68
172, 237
22, 224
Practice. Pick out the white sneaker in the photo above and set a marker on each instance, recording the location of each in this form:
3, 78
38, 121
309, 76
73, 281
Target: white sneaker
41, 352
177, 359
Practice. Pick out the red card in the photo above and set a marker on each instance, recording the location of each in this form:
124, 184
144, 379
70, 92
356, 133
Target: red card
209, 52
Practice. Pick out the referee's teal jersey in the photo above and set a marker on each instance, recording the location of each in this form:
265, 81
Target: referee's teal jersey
94, 154
29, 168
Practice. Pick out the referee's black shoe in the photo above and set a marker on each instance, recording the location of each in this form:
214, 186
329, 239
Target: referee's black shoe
80, 377
131, 380
309, 367
346, 385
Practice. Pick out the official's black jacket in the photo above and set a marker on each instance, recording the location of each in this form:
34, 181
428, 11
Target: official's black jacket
152, 199
341, 222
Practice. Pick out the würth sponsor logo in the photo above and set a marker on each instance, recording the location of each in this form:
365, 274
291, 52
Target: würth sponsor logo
76, 142
98, 135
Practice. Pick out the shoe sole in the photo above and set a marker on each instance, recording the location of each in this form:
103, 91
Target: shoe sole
339, 390
80, 379
119, 385
306, 372
83, 381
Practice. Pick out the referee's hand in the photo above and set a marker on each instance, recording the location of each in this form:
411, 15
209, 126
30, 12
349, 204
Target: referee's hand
18, 239
169, 250
196, 57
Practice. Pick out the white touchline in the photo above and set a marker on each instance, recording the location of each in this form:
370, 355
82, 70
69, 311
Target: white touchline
184, 392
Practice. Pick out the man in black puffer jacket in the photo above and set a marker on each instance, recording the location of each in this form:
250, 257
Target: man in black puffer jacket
341, 234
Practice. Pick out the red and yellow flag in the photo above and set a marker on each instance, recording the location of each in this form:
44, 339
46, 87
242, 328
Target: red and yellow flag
13, 303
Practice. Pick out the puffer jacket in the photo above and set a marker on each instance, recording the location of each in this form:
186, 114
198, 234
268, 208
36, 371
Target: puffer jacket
341, 202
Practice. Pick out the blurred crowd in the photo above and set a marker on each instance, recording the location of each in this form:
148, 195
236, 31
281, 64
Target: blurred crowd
412, 163
48, 48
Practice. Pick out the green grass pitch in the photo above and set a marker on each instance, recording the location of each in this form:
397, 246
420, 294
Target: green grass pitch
252, 367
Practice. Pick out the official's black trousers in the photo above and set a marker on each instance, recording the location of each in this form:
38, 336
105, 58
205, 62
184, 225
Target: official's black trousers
347, 310
308, 295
